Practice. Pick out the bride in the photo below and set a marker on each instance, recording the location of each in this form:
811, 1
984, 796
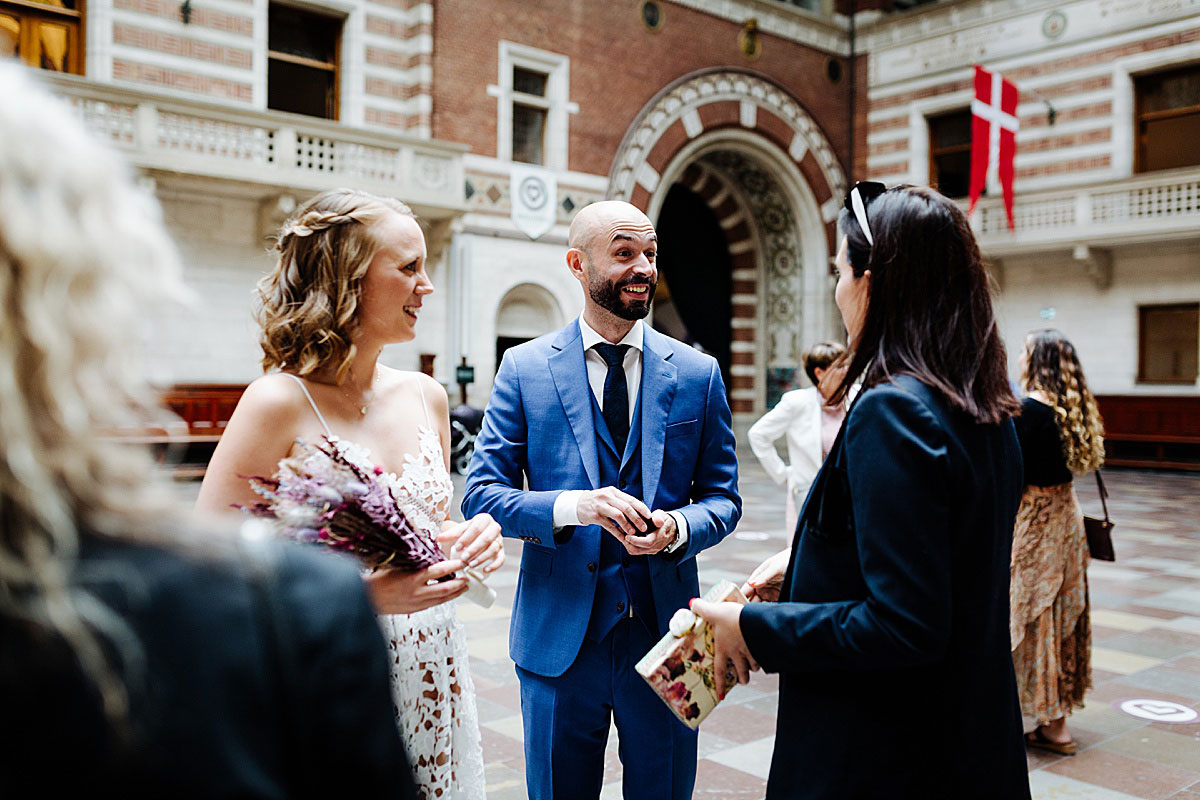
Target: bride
350, 279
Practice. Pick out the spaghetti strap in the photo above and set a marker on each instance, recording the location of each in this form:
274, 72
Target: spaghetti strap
313, 403
424, 404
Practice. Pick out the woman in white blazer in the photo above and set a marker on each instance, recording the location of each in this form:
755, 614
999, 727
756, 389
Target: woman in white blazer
809, 425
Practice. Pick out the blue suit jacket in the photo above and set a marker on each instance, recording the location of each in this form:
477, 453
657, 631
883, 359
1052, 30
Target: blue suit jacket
538, 428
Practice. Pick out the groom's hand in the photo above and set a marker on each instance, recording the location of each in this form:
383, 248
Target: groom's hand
654, 540
618, 513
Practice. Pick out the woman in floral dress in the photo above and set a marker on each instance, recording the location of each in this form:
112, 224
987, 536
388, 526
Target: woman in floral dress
1061, 436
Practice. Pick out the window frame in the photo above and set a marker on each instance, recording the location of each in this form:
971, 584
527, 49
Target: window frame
1142, 341
1139, 116
75, 18
335, 67
556, 102
934, 151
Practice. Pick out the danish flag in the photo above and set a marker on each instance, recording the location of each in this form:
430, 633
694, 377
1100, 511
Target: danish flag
993, 135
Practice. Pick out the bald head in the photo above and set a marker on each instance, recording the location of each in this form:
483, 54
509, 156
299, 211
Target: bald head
604, 220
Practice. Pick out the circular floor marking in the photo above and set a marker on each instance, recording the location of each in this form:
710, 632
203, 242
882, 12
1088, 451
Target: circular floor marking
1158, 711
752, 536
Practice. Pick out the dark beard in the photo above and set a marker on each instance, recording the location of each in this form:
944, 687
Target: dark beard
607, 295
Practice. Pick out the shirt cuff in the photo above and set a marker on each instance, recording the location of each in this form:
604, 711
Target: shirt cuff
681, 525
566, 508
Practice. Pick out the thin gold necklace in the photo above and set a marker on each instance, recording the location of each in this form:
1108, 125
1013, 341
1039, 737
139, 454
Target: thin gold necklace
367, 395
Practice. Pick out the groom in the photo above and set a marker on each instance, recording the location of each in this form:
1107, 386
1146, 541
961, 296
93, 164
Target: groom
624, 440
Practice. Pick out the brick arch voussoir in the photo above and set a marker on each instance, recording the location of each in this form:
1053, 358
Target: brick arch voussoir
712, 100
723, 200
769, 126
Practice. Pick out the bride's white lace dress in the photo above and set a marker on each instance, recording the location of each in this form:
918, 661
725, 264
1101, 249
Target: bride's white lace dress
428, 653
432, 691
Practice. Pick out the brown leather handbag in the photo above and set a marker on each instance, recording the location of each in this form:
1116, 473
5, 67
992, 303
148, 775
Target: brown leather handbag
1099, 531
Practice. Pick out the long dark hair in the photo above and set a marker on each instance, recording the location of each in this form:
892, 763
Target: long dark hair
929, 308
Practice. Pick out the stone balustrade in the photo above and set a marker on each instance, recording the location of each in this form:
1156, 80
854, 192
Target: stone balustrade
1152, 207
288, 152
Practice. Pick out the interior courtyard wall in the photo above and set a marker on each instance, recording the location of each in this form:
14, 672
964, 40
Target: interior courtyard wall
1075, 181
495, 265
1102, 323
219, 54
419, 67
617, 66
213, 338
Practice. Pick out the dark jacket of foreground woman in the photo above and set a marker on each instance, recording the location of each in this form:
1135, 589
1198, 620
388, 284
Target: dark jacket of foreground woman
254, 670
891, 637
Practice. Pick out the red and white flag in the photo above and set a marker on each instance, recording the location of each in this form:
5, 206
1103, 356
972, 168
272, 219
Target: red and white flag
993, 135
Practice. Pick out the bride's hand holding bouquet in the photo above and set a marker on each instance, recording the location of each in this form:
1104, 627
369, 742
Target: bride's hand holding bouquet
477, 542
322, 496
474, 548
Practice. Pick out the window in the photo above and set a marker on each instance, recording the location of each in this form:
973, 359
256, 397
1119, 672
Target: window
43, 33
1168, 119
950, 153
302, 61
529, 111
533, 106
1169, 343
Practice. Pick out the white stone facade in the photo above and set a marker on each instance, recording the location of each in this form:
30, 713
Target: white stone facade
1093, 240
187, 104
1050, 290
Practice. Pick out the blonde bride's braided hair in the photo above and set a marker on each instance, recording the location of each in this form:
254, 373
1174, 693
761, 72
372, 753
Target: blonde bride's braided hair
309, 302
1052, 367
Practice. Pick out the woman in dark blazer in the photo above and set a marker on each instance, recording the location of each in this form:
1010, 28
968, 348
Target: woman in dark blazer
890, 631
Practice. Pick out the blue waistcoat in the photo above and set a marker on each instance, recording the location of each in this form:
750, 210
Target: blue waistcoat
623, 580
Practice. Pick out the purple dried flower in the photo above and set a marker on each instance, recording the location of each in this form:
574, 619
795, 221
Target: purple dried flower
356, 510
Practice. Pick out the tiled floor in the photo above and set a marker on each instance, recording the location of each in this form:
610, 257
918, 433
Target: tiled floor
1146, 629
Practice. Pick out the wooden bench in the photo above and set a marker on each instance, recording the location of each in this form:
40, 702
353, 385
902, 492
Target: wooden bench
187, 442
206, 409
1156, 431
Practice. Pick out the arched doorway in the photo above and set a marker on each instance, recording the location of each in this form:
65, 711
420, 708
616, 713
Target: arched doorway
751, 252
695, 277
526, 312
734, 172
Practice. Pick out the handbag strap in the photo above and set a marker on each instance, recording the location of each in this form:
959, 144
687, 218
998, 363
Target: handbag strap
1103, 494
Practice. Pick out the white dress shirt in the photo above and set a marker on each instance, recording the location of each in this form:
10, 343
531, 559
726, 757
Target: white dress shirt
566, 505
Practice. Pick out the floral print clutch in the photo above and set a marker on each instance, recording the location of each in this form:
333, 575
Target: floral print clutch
680, 667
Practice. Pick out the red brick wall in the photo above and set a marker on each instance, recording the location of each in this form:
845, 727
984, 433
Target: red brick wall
861, 106
181, 80
135, 36
617, 67
242, 25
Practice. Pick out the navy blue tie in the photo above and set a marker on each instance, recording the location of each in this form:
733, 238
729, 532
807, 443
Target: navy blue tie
616, 393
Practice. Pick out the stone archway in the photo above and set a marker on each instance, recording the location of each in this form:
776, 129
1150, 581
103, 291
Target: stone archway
525, 312
770, 176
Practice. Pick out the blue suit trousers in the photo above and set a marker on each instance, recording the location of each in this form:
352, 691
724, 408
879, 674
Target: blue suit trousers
567, 721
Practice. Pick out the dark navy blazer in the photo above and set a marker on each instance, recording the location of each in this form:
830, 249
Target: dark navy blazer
891, 637
539, 428
248, 677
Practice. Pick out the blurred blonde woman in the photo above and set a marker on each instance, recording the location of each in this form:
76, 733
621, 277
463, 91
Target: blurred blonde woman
1061, 436
140, 654
350, 278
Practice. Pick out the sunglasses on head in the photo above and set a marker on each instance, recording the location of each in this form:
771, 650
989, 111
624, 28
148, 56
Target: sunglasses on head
857, 200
